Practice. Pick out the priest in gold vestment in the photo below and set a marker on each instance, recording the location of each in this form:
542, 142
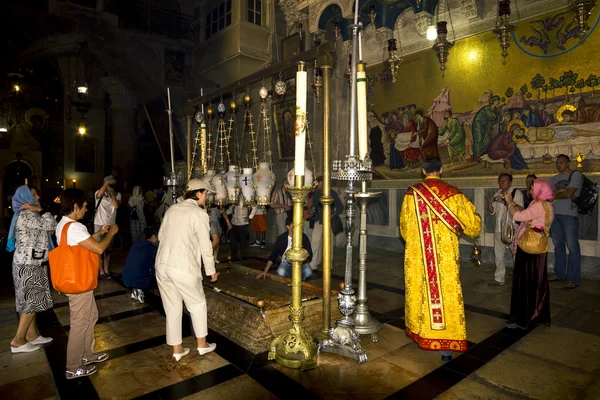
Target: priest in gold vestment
434, 215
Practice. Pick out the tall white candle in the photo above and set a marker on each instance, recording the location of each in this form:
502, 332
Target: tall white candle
301, 88
361, 99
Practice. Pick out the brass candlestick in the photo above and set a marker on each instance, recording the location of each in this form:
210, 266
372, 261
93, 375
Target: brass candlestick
295, 348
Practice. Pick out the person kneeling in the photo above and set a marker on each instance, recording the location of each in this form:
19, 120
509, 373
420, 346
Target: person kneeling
138, 273
283, 244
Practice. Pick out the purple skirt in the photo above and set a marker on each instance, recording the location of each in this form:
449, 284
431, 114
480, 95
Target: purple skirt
530, 300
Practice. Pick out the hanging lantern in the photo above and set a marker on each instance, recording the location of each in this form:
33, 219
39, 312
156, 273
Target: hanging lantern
442, 46
218, 182
210, 111
231, 184
264, 180
280, 86
246, 186
393, 59
208, 181
582, 10
263, 92
504, 28
221, 108
233, 106
317, 82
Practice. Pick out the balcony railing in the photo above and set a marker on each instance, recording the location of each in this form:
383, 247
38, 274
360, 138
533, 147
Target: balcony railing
147, 18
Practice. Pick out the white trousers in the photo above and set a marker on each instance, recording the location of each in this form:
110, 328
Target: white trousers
280, 219
316, 243
177, 287
499, 251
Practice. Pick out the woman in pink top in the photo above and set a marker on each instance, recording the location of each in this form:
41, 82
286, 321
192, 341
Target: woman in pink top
530, 300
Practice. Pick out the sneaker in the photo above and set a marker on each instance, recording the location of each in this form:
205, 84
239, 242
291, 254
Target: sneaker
263, 245
81, 372
495, 283
255, 244
41, 340
26, 348
95, 358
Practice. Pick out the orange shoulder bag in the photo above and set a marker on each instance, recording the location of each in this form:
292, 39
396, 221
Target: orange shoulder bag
73, 269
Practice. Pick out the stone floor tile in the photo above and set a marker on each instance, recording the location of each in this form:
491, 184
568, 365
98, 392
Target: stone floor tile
564, 346
411, 358
471, 389
390, 339
375, 379
383, 301
500, 302
130, 330
150, 370
481, 326
36, 387
242, 386
15, 367
532, 377
108, 306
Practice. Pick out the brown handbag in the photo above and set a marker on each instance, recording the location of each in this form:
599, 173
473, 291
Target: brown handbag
533, 242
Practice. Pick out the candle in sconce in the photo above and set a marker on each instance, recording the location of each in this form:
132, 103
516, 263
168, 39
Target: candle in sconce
361, 100
301, 90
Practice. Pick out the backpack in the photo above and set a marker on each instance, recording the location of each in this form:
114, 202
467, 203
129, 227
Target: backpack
588, 197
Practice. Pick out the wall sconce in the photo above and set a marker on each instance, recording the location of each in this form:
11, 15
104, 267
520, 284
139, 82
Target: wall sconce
82, 129
504, 28
442, 46
74, 183
16, 88
580, 158
582, 10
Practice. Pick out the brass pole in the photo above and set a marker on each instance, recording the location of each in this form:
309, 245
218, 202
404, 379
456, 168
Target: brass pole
326, 198
189, 115
295, 348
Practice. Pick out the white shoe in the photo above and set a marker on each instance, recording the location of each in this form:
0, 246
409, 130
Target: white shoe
81, 372
41, 340
206, 350
255, 244
178, 357
26, 348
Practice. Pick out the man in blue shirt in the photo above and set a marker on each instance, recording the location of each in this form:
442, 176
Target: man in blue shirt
138, 273
317, 215
283, 244
565, 227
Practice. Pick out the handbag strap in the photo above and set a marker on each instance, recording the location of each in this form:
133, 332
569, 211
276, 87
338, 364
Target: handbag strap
63, 234
546, 219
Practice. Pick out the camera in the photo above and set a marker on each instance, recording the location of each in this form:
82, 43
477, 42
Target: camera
113, 186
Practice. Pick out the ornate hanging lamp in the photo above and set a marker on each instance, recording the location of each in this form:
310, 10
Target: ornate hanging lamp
280, 86
442, 46
582, 10
504, 28
317, 82
393, 59
264, 178
231, 177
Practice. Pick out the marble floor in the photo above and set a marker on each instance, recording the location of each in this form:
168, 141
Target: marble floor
557, 362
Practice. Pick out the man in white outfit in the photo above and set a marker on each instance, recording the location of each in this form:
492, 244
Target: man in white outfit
497, 206
184, 247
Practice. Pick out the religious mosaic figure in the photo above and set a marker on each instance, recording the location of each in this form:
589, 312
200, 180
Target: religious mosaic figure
393, 128
531, 118
483, 127
434, 215
504, 146
429, 135
455, 136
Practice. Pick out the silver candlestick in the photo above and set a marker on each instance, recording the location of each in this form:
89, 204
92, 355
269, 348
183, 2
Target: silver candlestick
364, 323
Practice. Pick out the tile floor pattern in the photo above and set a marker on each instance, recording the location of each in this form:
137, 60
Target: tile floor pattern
557, 362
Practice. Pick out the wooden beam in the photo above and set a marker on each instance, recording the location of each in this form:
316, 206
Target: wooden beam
289, 64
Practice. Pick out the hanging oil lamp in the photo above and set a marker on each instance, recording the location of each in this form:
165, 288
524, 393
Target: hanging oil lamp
317, 82
442, 46
504, 28
393, 60
582, 10
280, 86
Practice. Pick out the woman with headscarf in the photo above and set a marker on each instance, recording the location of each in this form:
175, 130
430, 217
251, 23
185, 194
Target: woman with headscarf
137, 219
530, 300
29, 237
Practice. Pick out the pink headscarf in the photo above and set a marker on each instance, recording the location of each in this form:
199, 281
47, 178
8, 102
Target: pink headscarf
542, 190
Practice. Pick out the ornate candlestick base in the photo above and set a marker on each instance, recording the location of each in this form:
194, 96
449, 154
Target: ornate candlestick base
343, 339
364, 322
295, 348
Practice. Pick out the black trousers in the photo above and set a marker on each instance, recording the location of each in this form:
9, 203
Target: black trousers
239, 238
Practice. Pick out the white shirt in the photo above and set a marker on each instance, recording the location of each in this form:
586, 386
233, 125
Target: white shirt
239, 214
289, 246
185, 240
106, 213
76, 234
500, 208
260, 210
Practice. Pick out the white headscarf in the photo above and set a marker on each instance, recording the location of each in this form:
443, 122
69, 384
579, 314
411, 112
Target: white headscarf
137, 200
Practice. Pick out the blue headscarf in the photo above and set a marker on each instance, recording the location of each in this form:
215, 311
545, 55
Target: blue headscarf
21, 197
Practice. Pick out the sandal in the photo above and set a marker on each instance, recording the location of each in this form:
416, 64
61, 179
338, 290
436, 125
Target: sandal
571, 285
555, 279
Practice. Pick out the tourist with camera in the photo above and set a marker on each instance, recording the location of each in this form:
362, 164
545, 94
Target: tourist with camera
107, 201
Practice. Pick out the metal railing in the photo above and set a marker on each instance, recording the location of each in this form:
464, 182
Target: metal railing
148, 18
